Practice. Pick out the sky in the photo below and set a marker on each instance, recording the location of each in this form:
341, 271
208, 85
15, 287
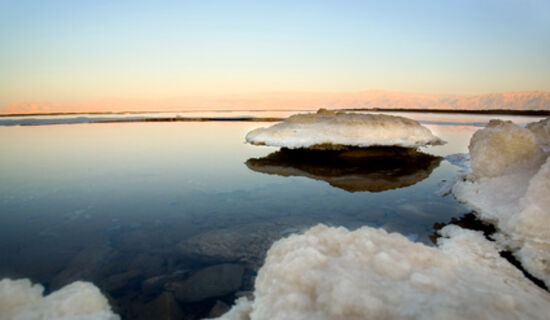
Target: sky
53, 51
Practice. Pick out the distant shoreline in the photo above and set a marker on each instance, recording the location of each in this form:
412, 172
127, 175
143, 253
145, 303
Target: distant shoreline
85, 120
452, 111
488, 111
139, 112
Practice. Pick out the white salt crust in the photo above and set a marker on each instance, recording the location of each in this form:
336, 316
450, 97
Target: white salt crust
510, 187
328, 129
21, 300
333, 273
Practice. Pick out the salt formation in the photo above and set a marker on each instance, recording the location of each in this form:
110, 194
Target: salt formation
333, 273
541, 130
336, 130
501, 148
510, 187
354, 170
21, 300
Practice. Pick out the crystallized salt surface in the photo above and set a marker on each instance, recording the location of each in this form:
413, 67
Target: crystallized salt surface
541, 130
333, 130
333, 273
503, 147
21, 300
510, 187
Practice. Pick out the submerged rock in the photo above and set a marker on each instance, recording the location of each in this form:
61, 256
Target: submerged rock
328, 130
246, 244
156, 283
86, 265
218, 309
163, 307
353, 170
211, 282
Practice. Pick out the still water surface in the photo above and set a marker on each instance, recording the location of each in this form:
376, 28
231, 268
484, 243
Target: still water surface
142, 208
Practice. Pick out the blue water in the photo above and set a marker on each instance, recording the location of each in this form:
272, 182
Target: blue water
118, 204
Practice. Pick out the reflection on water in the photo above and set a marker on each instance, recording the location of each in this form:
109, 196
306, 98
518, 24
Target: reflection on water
353, 170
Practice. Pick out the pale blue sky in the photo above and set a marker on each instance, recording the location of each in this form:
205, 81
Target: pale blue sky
63, 50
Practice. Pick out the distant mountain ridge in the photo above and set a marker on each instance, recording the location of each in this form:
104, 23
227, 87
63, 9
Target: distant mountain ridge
521, 101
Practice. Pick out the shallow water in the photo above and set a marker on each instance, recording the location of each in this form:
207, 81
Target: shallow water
141, 208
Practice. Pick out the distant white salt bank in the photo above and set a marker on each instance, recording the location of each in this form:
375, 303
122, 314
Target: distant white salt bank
20, 299
333, 273
335, 130
510, 187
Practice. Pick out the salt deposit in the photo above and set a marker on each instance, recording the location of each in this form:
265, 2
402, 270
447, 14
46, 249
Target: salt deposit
333, 273
21, 300
510, 188
503, 147
541, 130
335, 130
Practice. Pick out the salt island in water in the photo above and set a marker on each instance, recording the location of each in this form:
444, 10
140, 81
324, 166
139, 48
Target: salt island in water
329, 130
336, 273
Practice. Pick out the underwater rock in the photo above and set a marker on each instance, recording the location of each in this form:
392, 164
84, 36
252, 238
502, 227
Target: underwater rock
353, 170
86, 265
210, 282
218, 309
20, 299
329, 130
163, 307
333, 273
155, 284
246, 244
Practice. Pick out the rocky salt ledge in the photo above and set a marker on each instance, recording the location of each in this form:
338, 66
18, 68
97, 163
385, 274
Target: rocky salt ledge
509, 186
336, 130
333, 273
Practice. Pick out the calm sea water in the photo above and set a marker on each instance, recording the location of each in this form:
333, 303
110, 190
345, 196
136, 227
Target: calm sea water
172, 218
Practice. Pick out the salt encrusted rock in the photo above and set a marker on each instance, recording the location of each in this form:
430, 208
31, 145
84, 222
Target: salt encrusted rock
510, 188
541, 129
333, 273
20, 299
503, 147
328, 130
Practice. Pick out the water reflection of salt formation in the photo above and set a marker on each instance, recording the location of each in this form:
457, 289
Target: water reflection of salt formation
353, 170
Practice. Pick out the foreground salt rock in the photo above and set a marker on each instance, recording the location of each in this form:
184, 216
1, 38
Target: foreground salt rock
333, 273
510, 187
336, 130
21, 300
541, 129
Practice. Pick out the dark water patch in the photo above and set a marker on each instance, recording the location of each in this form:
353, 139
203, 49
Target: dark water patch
353, 170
